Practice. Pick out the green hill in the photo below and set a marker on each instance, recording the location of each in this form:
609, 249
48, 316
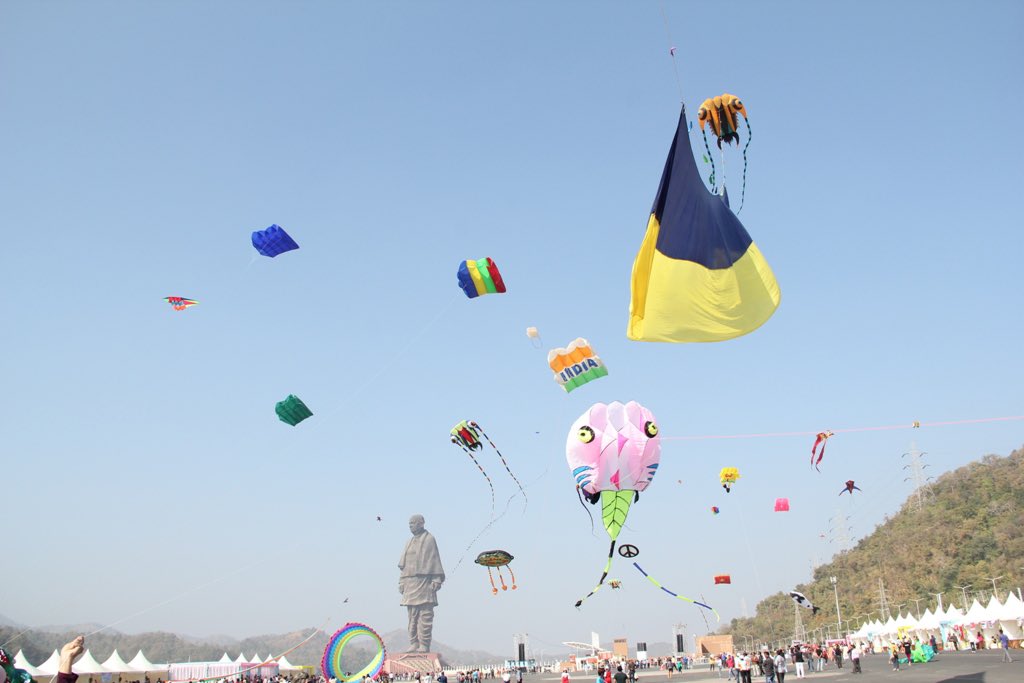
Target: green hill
969, 526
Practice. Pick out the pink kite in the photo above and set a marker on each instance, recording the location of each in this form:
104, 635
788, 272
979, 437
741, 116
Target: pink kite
782, 504
820, 439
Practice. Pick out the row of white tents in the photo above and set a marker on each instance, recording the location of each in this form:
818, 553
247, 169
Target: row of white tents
1008, 616
87, 665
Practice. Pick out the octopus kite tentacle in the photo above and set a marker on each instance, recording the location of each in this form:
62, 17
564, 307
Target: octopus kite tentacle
604, 575
502, 457
479, 467
711, 158
579, 494
512, 574
750, 136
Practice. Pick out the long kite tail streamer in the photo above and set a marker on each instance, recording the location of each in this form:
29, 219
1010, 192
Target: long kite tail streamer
604, 575
710, 157
513, 575
241, 674
482, 471
743, 194
502, 457
676, 595
494, 589
579, 494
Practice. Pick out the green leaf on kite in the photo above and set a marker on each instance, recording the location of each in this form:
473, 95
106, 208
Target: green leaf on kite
706, 160
614, 508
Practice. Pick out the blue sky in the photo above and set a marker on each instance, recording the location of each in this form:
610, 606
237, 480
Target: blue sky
143, 143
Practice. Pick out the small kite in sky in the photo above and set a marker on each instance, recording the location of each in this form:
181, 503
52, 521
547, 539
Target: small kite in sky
782, 504
480, 277
850, 486
466, 435
722, 578
273, 241
180, 303
496, 559
292, 410
799, 599
820, 440
728, 476
576, 365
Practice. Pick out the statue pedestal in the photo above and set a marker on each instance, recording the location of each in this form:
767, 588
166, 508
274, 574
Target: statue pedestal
412, 662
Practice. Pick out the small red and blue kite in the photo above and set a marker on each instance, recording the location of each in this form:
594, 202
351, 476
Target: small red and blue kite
180, 303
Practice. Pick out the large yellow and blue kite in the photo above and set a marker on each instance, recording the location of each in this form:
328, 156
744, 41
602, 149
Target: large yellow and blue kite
698, 277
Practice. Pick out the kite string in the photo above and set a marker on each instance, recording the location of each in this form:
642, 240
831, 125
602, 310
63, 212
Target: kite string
671, 50
847, 430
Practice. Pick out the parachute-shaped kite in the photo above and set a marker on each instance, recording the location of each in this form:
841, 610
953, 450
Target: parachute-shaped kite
820, 440
850, 486
534, 336
728, 477
722, 578
180, 303
480, 277
613, 453
466, 435
698, 276
496, 559
273, 241
576, 365
292, 410
799, 599
782, 504
715, 510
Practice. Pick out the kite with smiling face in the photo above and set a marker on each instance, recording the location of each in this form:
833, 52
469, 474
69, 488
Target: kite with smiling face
613, 451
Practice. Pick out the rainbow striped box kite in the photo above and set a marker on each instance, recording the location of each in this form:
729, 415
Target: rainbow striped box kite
480, 277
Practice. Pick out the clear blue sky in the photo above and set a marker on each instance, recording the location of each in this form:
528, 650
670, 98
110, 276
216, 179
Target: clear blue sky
143, 142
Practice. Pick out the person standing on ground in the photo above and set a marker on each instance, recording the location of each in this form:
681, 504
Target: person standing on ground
769, 667
798, 660
620, 676
855, 656
1004, 642
894, 656
780, 666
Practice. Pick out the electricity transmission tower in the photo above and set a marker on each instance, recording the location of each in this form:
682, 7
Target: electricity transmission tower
916, 466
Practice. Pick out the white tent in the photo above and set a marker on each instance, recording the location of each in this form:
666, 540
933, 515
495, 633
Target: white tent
21, 663
929, 621
952, 615
975, 615
88, 665
284, 665
889, 627
225, 659
241, 659
50, 666
1012, 609
140, 663
256, 660
114, 664
905, 622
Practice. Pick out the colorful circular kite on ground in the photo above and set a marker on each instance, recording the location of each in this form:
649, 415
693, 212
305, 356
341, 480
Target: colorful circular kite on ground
331, 663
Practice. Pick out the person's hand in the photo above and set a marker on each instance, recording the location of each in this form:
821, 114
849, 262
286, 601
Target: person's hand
70, 653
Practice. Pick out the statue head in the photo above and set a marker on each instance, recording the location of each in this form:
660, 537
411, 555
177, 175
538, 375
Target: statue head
416, 524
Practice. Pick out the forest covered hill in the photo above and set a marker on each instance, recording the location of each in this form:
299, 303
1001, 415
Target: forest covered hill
965, 527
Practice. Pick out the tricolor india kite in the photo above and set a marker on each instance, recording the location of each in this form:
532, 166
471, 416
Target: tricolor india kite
576, 365
698, 277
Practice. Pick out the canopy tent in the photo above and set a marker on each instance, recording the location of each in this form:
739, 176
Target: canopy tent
88, 665
140, 663
21, 663
50, 666
114, 664
225, 659
284, 665
975, 615
929, 621
255, 659
952, 615
1012, 609
889, 627
241, 659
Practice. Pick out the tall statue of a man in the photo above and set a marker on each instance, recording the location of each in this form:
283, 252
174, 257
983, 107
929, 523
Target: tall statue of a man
421, 578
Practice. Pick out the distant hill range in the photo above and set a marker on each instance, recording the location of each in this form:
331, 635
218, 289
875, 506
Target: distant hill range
38, 643
966, 526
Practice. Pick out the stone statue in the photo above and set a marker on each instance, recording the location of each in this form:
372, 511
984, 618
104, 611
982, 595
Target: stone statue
420, 579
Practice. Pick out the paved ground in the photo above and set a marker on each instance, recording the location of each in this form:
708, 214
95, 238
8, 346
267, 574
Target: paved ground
956, 667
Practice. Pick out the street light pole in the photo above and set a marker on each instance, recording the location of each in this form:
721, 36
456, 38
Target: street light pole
917, 607
938, 597
993, 580
963, 590
839, 618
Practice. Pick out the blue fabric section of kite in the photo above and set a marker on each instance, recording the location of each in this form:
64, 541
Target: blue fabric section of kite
695, 225
273, 241
466, 281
